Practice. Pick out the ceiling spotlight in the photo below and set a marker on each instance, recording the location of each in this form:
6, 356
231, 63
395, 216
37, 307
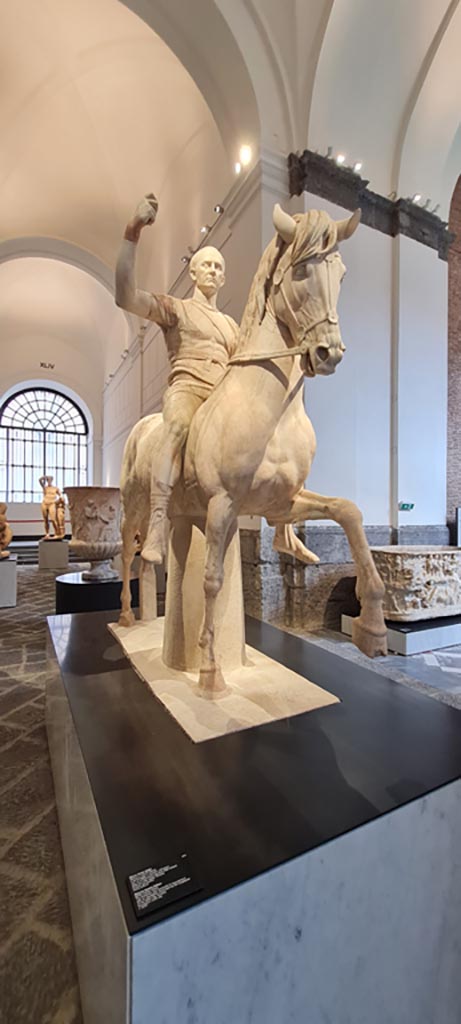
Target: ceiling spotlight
237, 167
219, 209
245, 155
416, 198
340, 159
358, 166
184, 259
204, 229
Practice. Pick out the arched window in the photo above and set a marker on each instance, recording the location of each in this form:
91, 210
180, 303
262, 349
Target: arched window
42, 433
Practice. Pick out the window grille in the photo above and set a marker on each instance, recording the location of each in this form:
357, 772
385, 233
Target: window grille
42, 433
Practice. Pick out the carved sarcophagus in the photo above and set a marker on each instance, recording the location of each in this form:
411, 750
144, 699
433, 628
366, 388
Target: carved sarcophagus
421, 581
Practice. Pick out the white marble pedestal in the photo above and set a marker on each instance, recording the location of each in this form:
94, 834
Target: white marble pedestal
8, 578
325, 848
53, 554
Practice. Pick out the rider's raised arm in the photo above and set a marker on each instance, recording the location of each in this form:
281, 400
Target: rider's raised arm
127, 294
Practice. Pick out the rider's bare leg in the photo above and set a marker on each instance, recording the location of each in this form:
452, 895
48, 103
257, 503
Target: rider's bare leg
178, 410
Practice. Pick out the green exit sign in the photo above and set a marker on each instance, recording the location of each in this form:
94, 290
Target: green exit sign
406, 506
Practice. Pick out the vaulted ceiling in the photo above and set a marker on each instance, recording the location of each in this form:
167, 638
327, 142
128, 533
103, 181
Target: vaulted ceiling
103, 100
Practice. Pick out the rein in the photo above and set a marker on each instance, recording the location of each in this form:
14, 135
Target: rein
298, 350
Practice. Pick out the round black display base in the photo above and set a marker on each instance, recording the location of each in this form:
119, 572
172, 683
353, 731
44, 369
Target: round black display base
74, 594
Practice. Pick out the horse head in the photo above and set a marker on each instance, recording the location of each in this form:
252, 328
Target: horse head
303, 284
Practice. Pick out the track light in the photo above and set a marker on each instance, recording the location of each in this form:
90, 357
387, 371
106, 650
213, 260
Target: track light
245, 155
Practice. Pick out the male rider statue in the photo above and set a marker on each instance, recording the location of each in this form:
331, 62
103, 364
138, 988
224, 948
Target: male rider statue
200, 340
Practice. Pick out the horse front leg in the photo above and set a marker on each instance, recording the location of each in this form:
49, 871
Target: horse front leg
368, 629
129, 545
220, 516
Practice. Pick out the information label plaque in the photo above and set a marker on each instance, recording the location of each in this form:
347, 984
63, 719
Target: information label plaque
154, 887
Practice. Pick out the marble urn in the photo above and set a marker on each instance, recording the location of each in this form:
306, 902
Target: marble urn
95, 516
421, 581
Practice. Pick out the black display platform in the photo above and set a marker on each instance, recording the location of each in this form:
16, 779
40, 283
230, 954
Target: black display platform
243, 803
74, 594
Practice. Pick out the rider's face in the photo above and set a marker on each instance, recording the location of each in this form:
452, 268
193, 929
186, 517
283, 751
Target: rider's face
208, 273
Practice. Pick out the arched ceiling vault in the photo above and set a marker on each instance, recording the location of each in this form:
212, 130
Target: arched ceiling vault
104, 100
387, 92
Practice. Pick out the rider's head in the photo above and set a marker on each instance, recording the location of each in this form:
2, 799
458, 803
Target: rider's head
207, 270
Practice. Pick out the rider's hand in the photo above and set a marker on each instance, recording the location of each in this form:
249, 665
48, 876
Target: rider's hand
145, 213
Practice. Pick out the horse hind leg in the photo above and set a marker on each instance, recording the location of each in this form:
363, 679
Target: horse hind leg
220, 517
129, 545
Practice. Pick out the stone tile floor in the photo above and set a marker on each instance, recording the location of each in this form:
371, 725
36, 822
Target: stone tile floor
436, 674
38, 982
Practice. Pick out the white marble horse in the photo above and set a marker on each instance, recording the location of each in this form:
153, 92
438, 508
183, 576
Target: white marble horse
251, 445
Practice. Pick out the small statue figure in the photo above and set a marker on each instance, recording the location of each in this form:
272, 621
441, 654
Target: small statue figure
50, 497
6, 533
60, 518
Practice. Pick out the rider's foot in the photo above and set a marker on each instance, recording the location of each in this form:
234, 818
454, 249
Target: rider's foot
286, 542
154, 546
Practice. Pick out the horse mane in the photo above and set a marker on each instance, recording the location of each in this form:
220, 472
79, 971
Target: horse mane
316, 235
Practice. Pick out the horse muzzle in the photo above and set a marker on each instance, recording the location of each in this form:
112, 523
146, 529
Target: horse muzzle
322, 359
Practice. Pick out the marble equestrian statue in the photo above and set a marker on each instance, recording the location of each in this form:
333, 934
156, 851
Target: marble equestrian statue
51, 496
250, 446
200, 340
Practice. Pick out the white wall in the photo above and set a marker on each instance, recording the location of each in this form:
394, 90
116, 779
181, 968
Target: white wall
421, 386
122, 408
350, 411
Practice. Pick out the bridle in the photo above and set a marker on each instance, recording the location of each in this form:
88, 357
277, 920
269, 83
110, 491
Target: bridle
302, 330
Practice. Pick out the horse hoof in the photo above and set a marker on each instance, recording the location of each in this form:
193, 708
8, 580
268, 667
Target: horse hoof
126, 619
369, 642
211, 683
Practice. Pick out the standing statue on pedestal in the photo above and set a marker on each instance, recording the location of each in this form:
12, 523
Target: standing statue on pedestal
6, 533
51, 495
60, 526
250, 445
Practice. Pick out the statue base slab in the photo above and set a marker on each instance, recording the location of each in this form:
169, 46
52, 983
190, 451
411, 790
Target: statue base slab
53, 554
260, 691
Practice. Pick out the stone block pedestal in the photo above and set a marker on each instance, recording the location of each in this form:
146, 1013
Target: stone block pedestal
304, 871
53, 554
8, 574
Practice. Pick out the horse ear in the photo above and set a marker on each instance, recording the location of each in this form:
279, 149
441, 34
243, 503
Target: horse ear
284, 224
347, 227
